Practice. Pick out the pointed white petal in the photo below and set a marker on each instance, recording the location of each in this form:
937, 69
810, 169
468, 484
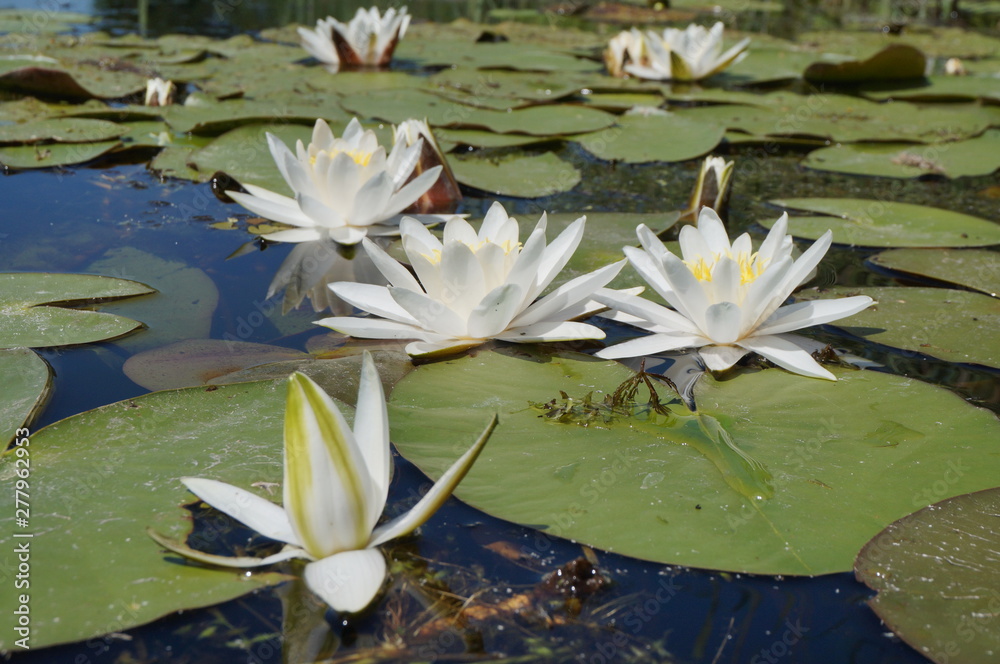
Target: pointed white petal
295, 235
430, 314
287, 553
258, 513
568, 295
713, 231
783, 351
413, 190
371, 430
650, 311
347, 581
437, 494
548, 331
444, 346
286, 213
494, 313
720, 358
803, 314
650, 269
722, 322
347, 234
373, 299
372, 328
559, 251
650, 345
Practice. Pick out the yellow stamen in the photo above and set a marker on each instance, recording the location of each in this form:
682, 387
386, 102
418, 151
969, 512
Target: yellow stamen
750, 266
360, 157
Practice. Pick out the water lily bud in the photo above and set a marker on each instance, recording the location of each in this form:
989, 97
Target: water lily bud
444, 195
954, 67
713, 187
627, 47
160, 92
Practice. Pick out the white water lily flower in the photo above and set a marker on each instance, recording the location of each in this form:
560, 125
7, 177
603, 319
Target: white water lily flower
726, 298
345, 188
367, 41
160, 92
685, 55
335, 488
474, 287
627, 47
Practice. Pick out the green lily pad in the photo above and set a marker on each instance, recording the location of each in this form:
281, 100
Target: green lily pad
28, 21
500, 55
976, 156
82, 79
27, 380
182, 307
894, 62
530, 176
61, 130
175, 162
639, 139
243, 154
53, 154
218, 117
500, 89
871, 223
937, 88
486, 139
32, 318
197, 361
943, 42
99, 479
937, 575
547, 120
973, 268
845, 461
955, 326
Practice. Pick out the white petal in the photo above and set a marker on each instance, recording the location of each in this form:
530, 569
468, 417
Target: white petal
713, 231
347, 581
437, 494
371, 430
460, 230
258, 513
285, 212
650, 269
494, 313
649, 311
440, 348
295, 235
413, 190
771, 245
430, 314
347, 234
372, 328
651, 344
568, 295
373, 299
547, 331
783, 351
559, 251
390, 268
803, 314
720, 358
722, 322
287, 553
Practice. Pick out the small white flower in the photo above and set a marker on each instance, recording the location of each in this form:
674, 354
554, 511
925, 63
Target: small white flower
726, 298
367, 41
160, 92
474, 287
712, 188
680, 55
335, 487
345, 188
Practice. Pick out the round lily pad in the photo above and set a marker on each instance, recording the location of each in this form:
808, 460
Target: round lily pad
99, 479
978, 269
638, 139
846, 458
27, 380
32, 318
873, 223
528, 176
938, 576
976, 156
953, 325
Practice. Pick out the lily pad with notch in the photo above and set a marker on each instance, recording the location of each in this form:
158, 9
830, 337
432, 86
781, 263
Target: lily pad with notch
978, 269
875, 223
843, 464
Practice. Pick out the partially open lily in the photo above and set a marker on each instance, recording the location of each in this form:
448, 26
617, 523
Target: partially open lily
727, 299
335, 488
444, 194
712, 188
367, 41
474, 287
628, 47
679, 55
160, 92
345, 188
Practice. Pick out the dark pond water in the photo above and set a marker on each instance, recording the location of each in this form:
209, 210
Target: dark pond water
62, 220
